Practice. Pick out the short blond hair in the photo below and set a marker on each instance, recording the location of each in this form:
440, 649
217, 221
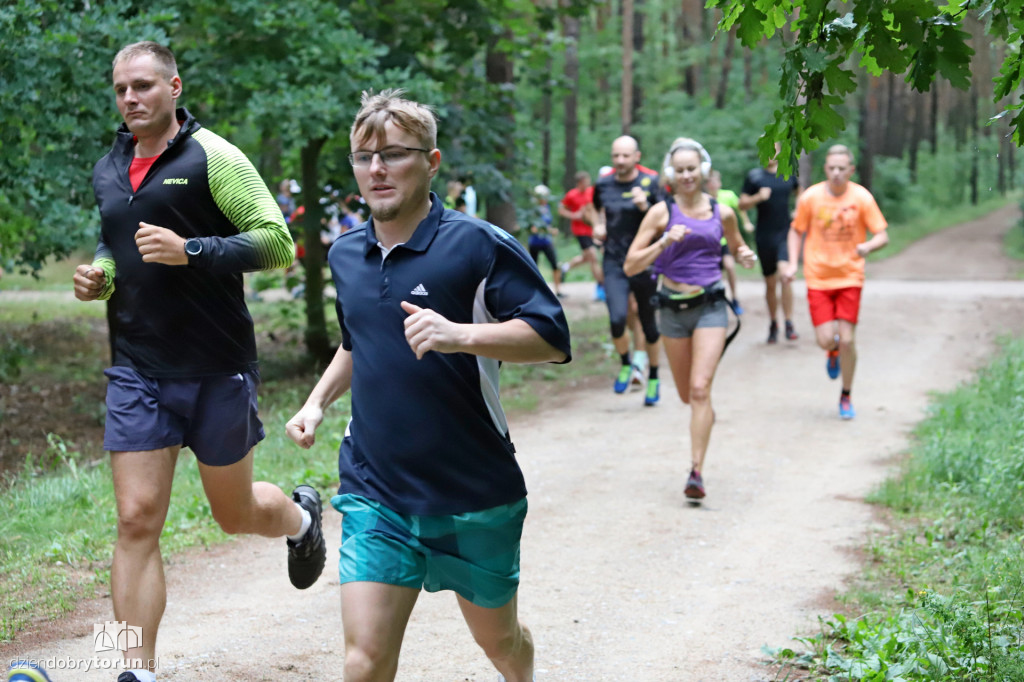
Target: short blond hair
166, 63
388, 105
840, 149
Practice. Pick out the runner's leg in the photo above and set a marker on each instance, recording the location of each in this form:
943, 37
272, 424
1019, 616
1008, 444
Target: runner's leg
708, 343
505, 641
142, 488
847, 352
374, 617
241, 506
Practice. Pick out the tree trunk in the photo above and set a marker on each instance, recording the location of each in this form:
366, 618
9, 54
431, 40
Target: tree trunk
626, 112
933, 120
748, 75
638, 49
917, 130
317, 341
685, 41
871, 127
498, 67
723, 82
571, 31
545, 118
270, 160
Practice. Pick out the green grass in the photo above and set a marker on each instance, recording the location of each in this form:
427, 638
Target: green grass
943, 593
54, 276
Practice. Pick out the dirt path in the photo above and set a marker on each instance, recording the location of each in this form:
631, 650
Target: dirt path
621, 580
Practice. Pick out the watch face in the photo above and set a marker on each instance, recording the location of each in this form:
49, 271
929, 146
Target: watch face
193, 247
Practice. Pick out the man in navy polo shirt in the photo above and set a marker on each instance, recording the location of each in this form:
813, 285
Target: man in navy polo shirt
430, 301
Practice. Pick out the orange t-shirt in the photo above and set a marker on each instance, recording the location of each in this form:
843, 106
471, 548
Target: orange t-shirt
833, 226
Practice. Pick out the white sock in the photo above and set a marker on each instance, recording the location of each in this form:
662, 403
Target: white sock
144, 675
306, 521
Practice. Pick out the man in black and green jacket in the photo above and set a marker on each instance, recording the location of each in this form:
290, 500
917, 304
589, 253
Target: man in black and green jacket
184, 214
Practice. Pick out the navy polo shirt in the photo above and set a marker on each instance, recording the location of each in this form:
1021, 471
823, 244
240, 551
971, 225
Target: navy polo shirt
429, 436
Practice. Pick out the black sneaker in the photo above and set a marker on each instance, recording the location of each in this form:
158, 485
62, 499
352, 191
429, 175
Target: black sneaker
127, 677
306, 558
791, 334
773, 332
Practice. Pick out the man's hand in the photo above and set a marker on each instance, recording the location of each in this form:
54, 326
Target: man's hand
89, 282
863, 249
427, 330
302, 427
788, 271
764, 194
639, 197
160, 245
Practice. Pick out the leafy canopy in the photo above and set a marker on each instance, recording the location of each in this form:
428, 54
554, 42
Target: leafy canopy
919, 38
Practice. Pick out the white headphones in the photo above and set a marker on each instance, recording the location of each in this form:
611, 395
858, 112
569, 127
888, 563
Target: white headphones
686, 143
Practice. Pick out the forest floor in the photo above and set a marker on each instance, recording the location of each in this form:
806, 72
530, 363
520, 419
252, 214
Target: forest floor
621, 579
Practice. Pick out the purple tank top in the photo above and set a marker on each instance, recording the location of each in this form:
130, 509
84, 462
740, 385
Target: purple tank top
697, 259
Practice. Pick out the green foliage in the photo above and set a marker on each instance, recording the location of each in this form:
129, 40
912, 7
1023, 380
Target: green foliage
955, 560
58, 117
918, 37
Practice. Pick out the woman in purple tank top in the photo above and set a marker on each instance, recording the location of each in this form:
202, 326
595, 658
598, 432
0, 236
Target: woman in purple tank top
682, 237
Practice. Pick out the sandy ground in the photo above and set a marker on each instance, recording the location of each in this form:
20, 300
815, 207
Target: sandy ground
621, 578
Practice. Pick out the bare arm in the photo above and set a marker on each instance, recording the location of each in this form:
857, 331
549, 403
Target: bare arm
795, 245
647, 245
596, 218
509, 341
739, 248
749, 201
335, 382
874, 244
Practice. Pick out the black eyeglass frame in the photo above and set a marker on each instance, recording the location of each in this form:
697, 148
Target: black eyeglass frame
352, 156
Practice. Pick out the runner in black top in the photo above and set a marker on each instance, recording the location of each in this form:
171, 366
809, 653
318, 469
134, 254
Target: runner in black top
620, 202
771, 196
184, 213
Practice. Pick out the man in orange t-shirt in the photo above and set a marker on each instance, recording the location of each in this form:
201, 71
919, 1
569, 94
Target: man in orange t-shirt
832, 220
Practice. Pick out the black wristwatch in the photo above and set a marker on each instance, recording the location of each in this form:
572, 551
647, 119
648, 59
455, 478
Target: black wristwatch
193, 249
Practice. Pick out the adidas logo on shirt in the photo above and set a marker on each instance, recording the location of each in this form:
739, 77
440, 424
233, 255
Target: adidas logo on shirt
420, 290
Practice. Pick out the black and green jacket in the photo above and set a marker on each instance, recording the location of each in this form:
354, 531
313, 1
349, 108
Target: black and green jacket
186, 321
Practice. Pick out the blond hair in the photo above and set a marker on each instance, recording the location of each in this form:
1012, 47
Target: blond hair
378, 109
163, 56
840, 149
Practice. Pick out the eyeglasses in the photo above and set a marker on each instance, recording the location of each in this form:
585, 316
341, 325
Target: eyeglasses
389, 156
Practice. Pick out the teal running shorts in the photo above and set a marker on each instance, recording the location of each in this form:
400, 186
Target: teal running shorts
475, 554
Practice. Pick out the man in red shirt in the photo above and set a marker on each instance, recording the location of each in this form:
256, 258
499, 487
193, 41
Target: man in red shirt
573, 206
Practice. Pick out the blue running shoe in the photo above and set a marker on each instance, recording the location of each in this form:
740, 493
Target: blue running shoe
599, 293
736, 307
846, 410
26, 671
622, 380
832, 364
653, 392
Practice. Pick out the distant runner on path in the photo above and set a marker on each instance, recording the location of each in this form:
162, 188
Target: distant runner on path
682, 238
832, 221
